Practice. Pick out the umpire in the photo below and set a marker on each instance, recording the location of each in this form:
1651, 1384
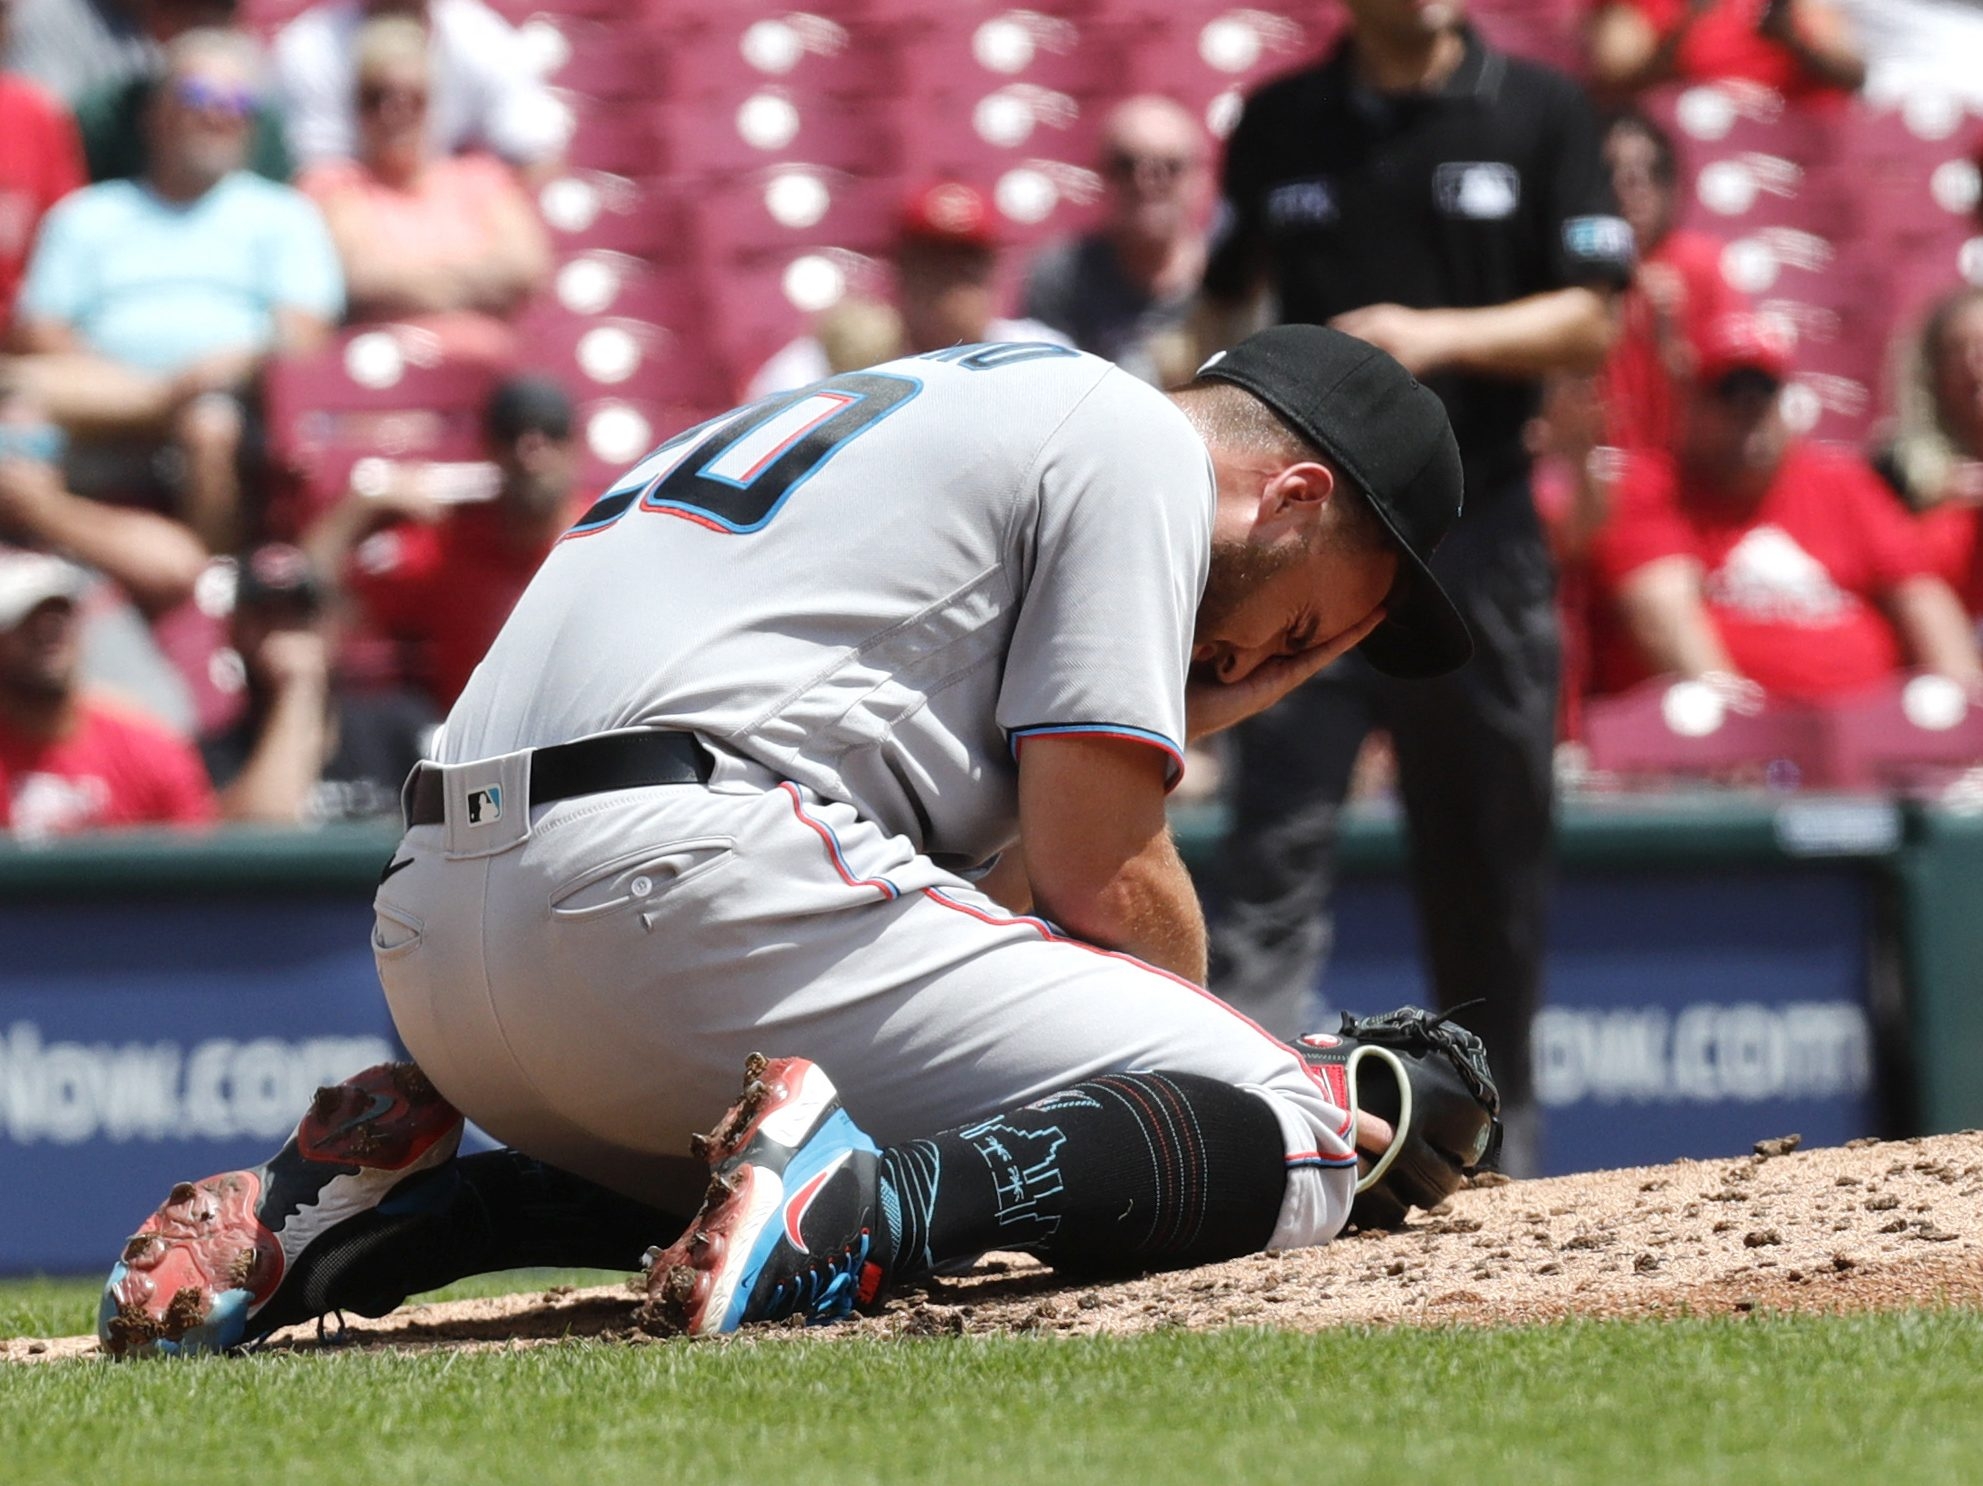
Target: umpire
1448, 203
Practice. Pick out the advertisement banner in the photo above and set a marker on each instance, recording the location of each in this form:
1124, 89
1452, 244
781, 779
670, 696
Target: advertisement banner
149, 1044
1683, 1015
1686, 1014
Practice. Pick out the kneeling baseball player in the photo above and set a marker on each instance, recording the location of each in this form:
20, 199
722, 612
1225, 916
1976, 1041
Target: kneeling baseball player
841, 726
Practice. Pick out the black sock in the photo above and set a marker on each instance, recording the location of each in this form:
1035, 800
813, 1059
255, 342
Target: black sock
1124, 1173
478, 1214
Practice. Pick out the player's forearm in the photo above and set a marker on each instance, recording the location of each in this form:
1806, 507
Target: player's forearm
275, 785
1936, 631
1007, 883
1662, 610
1149, 909
153, 558
1564, 330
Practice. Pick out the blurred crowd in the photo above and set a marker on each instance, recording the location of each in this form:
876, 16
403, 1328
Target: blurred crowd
228, 592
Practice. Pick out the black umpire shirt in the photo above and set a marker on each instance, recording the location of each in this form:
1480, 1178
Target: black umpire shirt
1489, 189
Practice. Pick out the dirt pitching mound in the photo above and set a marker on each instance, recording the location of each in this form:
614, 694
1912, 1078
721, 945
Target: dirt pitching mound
1870, 1226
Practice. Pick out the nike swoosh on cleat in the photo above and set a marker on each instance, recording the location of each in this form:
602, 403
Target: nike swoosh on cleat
380, 1104
802, 1200
392, 867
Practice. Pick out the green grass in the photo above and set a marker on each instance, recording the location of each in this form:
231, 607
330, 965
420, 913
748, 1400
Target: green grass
1756, 1401
67, 1307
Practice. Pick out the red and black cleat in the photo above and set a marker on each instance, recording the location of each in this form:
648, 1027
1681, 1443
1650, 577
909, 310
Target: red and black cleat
786, 1227
202, 1269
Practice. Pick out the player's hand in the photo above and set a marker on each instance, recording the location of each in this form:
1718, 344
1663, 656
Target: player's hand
1212, 705
1373, 1138
294, 659
1417, 338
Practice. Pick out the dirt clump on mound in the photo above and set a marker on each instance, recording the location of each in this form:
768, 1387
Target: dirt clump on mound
1868, 1226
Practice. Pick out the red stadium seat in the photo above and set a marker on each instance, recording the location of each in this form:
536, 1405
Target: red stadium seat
381, 390
1666, 728
1914, 734
785, 207
773, 126
733, 55
614, 141
603, 283
599, 60
591, 209
616, 356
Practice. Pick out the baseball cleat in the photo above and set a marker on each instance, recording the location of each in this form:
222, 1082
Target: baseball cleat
200, 1274
787, 1225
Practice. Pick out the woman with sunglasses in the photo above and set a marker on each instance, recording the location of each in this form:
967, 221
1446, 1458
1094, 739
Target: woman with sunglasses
448, 242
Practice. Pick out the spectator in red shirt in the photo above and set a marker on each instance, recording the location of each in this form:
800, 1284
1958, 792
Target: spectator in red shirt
1677, 291
41, 161
70, 762
442, 581
1934, 459
1802, 49
1752, 557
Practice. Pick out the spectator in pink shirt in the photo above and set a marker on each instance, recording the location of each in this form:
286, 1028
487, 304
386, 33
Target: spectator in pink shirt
448, 242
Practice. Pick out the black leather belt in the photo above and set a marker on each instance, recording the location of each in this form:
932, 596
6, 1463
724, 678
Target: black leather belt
589, 766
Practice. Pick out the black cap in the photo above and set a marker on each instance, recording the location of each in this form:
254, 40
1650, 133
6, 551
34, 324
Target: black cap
527, 404
1390, 435
277, 574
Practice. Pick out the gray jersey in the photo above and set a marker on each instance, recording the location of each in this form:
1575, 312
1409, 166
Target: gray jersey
879, 586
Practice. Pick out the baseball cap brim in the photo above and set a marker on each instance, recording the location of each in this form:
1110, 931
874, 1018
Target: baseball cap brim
30, 579
1422, 634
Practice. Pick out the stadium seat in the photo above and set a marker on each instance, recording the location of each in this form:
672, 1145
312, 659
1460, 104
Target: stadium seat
381, 390
732, 55
615, 141
1914, 734
1666, 728
784, 207
605, 283
773, 126
599, 211
598, 60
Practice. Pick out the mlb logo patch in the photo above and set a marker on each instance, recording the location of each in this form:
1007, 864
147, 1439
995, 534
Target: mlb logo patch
1481, 190
1309, 203
485, 805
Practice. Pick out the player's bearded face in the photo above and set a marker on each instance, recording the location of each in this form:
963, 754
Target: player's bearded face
1267, 600
1239, 572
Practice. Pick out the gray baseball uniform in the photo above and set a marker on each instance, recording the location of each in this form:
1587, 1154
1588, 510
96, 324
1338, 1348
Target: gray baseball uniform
863, 597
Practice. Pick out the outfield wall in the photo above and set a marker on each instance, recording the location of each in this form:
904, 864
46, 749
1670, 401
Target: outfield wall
1718, 972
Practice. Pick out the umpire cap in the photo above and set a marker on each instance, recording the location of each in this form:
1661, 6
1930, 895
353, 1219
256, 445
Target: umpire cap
1390, 435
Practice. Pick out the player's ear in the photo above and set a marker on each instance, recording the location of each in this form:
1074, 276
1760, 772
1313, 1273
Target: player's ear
1296, 494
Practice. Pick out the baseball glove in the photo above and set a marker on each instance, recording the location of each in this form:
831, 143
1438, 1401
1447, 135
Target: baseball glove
1429, 1078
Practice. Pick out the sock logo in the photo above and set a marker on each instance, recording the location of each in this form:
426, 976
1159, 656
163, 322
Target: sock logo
802, 1200
1026, 1180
